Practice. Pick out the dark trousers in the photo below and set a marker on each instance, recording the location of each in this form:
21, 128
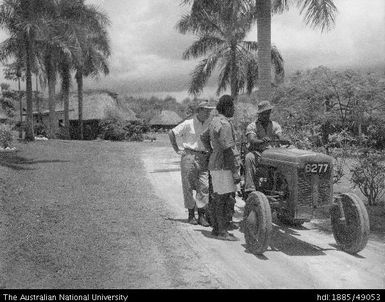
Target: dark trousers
251, 163
221, 207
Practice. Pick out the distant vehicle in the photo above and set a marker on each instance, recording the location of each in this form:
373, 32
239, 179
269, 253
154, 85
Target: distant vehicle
296, 184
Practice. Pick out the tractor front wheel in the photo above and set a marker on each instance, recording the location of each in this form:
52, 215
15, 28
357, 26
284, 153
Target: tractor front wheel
350, 230
257, 223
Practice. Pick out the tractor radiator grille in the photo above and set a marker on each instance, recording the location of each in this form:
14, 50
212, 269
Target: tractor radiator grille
307, 189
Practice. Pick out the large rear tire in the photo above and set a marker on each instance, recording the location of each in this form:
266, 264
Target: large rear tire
352, 233
257, 223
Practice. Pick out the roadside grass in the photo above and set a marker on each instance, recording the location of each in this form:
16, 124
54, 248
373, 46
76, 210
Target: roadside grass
64, 239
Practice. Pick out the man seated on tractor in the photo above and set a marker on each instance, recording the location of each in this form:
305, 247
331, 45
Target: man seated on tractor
259, 136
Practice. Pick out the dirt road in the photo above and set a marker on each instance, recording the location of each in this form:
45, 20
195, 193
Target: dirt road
110, 215
297, 258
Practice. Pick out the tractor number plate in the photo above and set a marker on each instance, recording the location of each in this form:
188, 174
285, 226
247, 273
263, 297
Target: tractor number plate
317, 168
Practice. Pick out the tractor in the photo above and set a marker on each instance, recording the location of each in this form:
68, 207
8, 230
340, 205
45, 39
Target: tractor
298, 186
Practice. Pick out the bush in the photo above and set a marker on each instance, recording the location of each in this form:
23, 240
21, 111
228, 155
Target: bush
369, 175
113, 129
376, 133
40, 129
5, 136
118, 130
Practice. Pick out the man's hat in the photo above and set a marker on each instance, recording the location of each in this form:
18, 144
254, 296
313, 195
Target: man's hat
207, 105
264, 106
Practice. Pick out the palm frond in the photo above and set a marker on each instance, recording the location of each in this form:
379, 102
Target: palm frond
201, 74
319, 13
224, 78
280, 6
277, 62
202, 46
249, 46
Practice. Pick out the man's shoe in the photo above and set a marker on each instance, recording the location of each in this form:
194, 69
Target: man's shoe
227, 236
192, 220
214, 233
191, 217
233, 226
202, 221
202, 218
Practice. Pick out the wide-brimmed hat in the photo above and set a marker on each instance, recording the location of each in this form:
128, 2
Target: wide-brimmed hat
264, 106
207, 105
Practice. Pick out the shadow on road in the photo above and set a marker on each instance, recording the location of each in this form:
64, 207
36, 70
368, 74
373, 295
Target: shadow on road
208, 234
178, 220
165, 170
15, 162
285, 240
336, 247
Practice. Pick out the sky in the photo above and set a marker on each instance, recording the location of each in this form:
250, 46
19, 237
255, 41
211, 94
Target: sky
147, 49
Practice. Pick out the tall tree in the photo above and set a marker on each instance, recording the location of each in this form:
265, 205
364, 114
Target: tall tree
318, 14
95, 50
221, 27
58, 46
23, 20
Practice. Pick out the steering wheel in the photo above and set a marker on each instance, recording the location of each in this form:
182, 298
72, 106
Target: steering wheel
281, 142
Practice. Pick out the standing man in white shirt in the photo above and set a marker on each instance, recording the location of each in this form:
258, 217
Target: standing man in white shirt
194, 162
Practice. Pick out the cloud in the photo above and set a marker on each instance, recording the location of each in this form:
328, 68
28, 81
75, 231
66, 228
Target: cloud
147, 49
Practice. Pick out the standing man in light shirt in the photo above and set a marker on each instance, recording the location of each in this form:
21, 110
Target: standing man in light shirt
194, 162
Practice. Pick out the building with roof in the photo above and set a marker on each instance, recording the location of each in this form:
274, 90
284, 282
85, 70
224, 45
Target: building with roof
165, 120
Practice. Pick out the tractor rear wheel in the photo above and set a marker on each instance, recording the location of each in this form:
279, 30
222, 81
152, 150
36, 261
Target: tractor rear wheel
257, 223
351, 233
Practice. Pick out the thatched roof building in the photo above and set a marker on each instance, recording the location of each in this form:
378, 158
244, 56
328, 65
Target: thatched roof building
165, 119
98, 105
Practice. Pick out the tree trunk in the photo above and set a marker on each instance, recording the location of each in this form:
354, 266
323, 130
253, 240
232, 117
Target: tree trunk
21, 109
66, 91
51, 76
264, 49
39, 117
234, 73
29, 136
79, 80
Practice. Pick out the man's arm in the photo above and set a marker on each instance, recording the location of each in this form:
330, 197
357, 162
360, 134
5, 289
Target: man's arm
173, 142
255, 143
205, 139
230, 158
278, 133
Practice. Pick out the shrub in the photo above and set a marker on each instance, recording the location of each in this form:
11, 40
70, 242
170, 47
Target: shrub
369, 175
113, 129
118, 130
376, 134
5, 136
40, 129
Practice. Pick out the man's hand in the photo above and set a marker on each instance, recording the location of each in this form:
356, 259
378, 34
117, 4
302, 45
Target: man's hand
285, 142
180, 152
236, 178
266, 139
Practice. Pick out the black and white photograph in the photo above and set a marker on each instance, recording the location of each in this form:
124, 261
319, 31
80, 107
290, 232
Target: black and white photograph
194, 145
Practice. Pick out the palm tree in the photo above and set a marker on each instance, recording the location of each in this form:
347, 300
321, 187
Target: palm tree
95, 50
318, 14
58, 45
23, 20
222, 27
